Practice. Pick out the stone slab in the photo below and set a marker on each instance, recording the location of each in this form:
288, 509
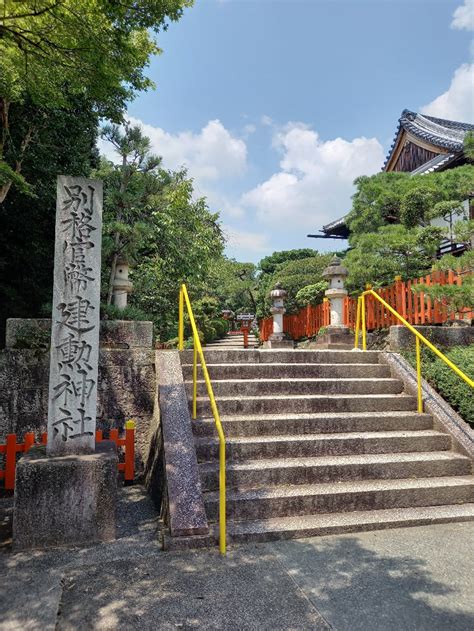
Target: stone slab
186, 510
193, 591
401, 338
279, 344
65, 500
415, 579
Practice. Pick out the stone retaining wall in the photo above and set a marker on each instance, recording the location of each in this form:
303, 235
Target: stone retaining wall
401, 338
126, 388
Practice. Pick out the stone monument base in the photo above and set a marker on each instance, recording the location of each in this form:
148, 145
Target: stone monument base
278, 340
335, 337
65, 500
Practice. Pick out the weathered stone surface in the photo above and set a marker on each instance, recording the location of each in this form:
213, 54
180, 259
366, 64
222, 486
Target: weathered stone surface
126, 389
16, 328
131, 334
75, 318
186, 513
65, 500
444, 417
401, 338
120, 334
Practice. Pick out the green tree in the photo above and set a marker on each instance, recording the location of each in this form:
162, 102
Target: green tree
234, 284
130, 188
469, 146
55, 51
391, 198
377, 257
270, 264
455, 297
293, 275
27, 234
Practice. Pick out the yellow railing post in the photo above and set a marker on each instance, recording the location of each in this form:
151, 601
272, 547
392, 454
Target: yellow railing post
364, 330
195, 371
181, 319
418, 375
357, 326
217, 420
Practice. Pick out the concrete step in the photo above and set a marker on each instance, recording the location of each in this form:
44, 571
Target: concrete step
280, 404
327, 423
337, 523
217, 356
262, 387
285, 471
290, 501
290, 371
311, 445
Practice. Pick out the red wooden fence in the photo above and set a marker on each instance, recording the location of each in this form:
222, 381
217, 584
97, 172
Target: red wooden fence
415, 307
11, 448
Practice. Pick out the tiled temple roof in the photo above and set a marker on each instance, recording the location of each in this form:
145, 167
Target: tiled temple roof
442, 133
439, 132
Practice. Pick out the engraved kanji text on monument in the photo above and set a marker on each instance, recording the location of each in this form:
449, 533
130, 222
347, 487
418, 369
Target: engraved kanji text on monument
75, 317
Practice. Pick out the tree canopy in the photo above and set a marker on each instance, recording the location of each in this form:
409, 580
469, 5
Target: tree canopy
389, 198
55, 51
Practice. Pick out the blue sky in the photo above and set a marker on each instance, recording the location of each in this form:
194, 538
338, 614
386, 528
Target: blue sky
275, 106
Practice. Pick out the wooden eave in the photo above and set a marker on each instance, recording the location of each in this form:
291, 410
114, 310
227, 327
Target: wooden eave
405, 137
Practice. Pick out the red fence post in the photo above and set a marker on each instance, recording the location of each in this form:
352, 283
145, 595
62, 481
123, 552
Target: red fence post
29, 441
129, 450
114, 436
10, 462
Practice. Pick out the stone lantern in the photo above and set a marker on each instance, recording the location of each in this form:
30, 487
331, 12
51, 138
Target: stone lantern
337, 335
121, 285
335, 274
277, 338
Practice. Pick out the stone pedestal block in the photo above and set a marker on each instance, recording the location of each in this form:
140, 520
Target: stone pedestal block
278, 340
335, 337
65, 500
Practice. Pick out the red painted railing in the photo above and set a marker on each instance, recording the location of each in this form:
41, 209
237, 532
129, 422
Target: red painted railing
415, 307
11, 448
305, 323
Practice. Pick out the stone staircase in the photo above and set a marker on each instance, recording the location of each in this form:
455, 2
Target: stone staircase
233, 341
322, 442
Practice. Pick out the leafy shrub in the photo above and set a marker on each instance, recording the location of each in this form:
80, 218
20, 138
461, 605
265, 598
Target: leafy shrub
32, 337
311, 294
445, 381
131, 312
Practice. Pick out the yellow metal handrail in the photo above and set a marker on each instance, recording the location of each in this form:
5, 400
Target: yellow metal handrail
184, 299
360, 324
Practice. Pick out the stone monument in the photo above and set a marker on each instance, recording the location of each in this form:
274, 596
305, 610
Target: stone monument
278, 338
66, 494
75, 318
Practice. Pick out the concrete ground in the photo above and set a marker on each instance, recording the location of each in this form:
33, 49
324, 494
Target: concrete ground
408, 579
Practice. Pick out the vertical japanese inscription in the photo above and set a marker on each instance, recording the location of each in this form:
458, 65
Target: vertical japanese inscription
75, 317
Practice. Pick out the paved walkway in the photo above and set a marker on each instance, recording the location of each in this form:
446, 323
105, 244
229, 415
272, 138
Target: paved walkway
409, 579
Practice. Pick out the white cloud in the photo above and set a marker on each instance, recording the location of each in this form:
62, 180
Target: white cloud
249, 242
457, 103
315, 181
249, 129
266, 121
211, 154
463, 17
221, 203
